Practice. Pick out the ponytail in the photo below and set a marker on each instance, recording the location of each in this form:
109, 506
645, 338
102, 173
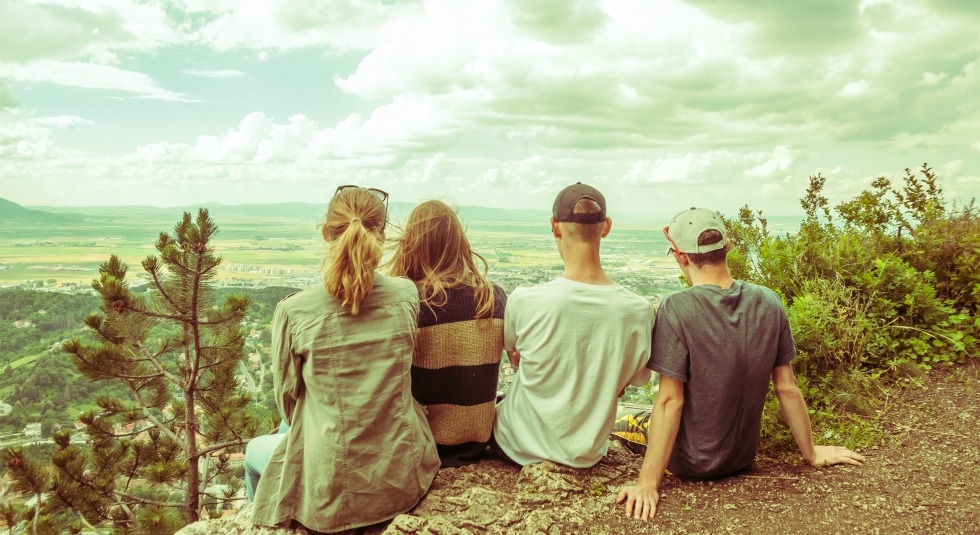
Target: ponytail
354, 227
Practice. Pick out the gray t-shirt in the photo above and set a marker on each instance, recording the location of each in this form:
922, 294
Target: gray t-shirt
723, 344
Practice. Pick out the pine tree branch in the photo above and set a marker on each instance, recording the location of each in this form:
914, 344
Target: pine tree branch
86, 522
228, 444
222, 499
156, 363
141, 430
230, 319
150, 314
146, 412
159, 285
145, 501
137, 377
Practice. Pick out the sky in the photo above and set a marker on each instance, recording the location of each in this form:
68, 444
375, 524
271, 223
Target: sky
660, 104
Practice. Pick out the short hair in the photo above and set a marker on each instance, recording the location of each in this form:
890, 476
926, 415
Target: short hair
354, 227
586, 232
718, 256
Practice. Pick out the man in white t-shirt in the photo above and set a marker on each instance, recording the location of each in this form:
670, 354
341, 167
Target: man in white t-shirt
576, 341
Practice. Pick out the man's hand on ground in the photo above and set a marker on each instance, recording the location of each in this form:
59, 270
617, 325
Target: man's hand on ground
641, 501
831, 455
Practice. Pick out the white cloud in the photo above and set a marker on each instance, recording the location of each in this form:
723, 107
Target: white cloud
481, 99
24, 141
339, 25
404, 126
89, 30
779, 163
90, 76
220, 73
61, 121
857, 88
932, 78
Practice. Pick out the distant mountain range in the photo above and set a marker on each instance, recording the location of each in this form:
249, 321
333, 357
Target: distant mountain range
314, 211
13, 212
399, 210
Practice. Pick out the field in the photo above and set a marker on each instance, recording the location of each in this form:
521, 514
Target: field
276, 250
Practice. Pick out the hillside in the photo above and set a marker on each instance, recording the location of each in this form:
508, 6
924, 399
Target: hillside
924, 478
11, 211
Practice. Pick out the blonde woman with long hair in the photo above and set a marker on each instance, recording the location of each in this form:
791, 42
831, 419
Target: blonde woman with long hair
460, 331
358, 450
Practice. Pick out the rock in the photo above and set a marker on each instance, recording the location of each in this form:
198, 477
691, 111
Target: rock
241, 524
490, 497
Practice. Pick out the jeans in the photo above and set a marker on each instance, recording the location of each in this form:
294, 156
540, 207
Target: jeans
258, 451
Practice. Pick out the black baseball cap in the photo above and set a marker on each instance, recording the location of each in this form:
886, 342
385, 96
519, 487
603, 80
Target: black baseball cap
563, 210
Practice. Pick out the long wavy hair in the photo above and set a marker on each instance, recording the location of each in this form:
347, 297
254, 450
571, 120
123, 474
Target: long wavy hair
354, 228
433, 251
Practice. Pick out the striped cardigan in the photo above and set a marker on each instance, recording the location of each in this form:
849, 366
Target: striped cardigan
454, 373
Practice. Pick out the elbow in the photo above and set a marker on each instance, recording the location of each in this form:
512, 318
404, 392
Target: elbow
785, 390
670, 404
641, 378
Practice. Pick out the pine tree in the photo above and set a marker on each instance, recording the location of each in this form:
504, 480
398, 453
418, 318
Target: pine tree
153, 455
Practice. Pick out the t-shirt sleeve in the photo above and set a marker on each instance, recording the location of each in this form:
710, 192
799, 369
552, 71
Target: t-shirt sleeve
510, 323
669, 355
499, 301
787, 347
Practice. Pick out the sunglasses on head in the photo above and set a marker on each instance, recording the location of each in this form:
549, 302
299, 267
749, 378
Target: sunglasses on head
380, 194
383, 195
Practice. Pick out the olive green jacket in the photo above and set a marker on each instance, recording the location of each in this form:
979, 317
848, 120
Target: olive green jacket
358, 450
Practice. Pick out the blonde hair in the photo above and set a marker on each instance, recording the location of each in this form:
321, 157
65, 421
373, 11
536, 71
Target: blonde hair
354, 227
586, 232
433, 251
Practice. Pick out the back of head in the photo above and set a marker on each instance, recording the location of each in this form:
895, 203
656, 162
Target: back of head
434, 252
354, 227
580, 209
700, 234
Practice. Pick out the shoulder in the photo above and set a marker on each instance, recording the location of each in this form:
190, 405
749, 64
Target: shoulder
387, 288
395, 284
499, 301
498, 292
633, 303
762, 292
302, 298
676, 305
677, 298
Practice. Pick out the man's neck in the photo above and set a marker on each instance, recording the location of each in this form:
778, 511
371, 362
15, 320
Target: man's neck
582, 265
588, 276
713, 274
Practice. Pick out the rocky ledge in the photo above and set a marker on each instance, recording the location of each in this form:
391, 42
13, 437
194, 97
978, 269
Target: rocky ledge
490, 497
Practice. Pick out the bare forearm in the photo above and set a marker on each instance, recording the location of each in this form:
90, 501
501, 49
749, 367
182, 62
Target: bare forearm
795, 413
665, 421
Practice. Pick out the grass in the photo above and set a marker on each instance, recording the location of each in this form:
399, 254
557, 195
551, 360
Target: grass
24, 360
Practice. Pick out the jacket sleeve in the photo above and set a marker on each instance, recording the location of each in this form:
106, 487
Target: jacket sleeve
287, 377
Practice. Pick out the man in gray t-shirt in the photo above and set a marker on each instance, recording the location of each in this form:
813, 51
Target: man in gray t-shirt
716, 346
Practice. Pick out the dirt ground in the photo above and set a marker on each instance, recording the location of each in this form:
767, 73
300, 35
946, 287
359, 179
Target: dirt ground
924, 479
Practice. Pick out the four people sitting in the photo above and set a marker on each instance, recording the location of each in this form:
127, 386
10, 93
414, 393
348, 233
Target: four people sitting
382, 379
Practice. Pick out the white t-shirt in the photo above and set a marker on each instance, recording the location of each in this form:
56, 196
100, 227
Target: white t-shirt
580, 344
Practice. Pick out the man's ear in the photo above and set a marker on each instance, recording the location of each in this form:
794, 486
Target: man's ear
555, 229
606, 227
682, 258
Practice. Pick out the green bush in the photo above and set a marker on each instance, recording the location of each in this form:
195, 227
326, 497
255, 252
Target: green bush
886, 290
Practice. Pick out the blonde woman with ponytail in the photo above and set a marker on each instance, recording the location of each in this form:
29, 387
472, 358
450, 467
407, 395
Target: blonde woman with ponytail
357, 450
461, 331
